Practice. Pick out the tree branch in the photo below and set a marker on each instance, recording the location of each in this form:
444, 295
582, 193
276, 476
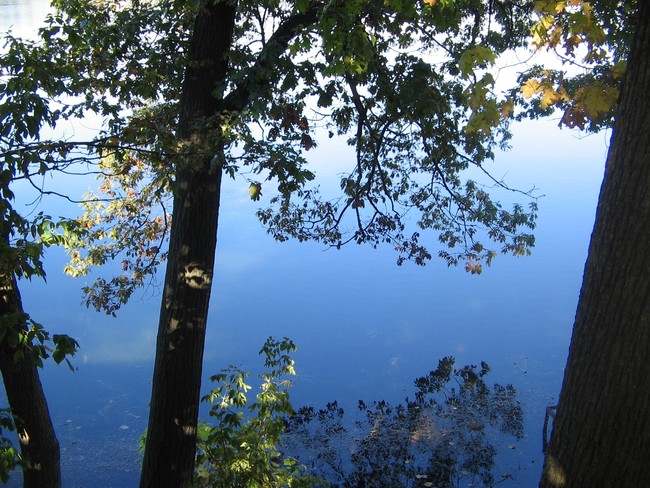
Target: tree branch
239, 98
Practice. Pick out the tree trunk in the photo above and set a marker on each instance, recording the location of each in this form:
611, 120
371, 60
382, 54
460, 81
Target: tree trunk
38, 444
601, 433
171, 437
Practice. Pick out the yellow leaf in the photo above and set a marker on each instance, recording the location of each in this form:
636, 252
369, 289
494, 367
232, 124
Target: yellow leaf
530, 88
255, 191
547, 22
549, 97
539, 36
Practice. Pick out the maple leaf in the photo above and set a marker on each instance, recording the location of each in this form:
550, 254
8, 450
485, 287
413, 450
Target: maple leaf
619, 69
574, 117
549, 98
598, 100
547, 22
475, 57
530, 88
547, 6
507, 107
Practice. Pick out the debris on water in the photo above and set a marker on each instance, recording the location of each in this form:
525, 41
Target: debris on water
124, 427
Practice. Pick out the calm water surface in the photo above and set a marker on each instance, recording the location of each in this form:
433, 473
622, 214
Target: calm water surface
365, 328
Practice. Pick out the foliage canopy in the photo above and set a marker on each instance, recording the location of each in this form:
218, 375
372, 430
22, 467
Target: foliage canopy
409, 85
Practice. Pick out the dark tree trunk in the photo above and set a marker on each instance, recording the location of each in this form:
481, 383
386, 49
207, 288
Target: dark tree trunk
38, 444
171, 437
601, 433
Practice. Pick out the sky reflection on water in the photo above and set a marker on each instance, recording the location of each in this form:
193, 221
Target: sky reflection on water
365, 328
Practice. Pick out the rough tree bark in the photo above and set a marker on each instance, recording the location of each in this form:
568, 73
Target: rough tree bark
38, 444
171, 436
601, 433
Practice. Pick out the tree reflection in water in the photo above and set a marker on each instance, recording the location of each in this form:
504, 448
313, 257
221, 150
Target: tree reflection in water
446, 437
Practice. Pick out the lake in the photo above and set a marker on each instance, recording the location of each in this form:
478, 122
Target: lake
365, 328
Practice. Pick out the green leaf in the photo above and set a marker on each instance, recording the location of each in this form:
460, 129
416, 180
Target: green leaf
476, 57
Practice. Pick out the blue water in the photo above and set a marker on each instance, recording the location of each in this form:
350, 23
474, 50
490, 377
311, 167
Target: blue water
365, 328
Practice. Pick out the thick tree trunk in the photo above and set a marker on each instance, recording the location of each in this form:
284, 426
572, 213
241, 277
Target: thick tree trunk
601, 433
171, 437
38, 444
